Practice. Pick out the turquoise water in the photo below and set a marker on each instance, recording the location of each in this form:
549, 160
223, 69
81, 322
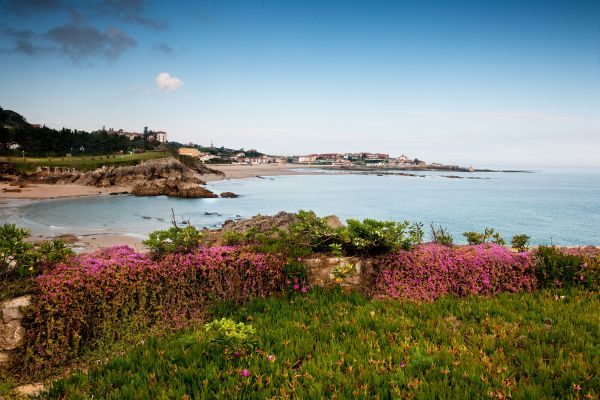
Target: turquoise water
560, 207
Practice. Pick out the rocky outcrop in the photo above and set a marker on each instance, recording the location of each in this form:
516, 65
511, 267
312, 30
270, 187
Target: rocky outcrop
262, 223
167, 177
229, 195
173, 189
12, 331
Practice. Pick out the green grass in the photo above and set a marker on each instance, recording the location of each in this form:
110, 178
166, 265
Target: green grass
333, 345
83, 163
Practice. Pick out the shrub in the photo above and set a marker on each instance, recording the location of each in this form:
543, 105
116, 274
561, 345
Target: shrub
520, 242
568, 267
98, 297
232, 337
174, 239
372, 237
433, 270
441, 235
21, 259
15, 252
488, 236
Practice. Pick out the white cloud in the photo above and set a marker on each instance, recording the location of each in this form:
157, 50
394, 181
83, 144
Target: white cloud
167, 83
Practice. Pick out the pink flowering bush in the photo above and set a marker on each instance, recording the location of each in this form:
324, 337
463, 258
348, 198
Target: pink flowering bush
99, 296
432, 270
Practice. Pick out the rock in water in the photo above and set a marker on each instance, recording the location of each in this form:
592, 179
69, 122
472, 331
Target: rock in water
229, 195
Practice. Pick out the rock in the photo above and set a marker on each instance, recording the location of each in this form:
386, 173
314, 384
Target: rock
32, 389
11, 309
11, 335
171, 188
229, 195
4, 357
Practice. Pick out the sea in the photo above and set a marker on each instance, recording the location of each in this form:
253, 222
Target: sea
552, 206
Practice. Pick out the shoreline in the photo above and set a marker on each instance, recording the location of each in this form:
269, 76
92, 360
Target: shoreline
42, 191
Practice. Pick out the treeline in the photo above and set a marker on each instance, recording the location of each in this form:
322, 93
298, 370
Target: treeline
18, 136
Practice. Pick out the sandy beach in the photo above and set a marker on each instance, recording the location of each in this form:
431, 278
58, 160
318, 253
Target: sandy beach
235, 171
44, 191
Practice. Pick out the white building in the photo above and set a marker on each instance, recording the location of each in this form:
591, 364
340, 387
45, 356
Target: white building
161, 136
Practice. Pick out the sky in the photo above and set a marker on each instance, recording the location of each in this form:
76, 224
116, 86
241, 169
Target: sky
465, 82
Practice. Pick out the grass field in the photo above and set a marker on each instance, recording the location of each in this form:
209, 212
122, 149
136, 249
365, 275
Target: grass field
327, 344
83, 163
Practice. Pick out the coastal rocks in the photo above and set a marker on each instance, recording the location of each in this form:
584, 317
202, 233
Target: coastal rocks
166, 176
172, 189
229, 195
261, 223
12, 331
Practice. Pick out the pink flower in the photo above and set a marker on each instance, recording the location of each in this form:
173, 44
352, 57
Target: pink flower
271, 357
245, 373
296, 287
402, 365
304, 289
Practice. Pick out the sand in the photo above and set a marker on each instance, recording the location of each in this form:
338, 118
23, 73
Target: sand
45, 191
259, 170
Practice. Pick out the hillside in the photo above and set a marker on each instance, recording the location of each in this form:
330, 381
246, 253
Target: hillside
12, 120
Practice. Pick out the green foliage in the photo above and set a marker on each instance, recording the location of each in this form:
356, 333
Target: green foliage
174, 240
372, 237
16, 254
20, 259
296, 271
336, 249
328, 344
488, 236
227, 334
343, 271
440, 235
312, 234
520, 242
568, 267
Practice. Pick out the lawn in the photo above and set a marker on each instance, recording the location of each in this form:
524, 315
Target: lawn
83, 163
328, 344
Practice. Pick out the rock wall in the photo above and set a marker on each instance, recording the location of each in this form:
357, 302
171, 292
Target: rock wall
348, 272
11, 329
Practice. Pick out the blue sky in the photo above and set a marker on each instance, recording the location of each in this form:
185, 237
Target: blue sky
481, 82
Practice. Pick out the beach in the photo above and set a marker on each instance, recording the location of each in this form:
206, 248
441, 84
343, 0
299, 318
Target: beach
45, 191
237, 171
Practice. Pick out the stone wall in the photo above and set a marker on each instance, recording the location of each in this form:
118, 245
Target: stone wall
348, 272
11, 329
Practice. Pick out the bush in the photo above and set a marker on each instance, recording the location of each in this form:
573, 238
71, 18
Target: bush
371, 237
98, 297
232, 337
488, 236
174, 239
433, 270
15, 252
312, 234
441, 235
568, 267
20, 259
520, 242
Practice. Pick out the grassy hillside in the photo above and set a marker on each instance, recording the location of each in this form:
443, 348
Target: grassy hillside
327, 344
83, 163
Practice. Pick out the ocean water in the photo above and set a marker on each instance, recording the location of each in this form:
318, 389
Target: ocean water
554, 206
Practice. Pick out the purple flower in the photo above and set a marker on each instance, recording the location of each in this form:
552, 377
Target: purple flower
245, 373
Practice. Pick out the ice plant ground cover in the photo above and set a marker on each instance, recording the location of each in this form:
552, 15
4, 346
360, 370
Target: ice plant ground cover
432, 270
103, 296
327, 344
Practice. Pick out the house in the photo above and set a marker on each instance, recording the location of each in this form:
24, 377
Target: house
161, 136
307, 159
190, 151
